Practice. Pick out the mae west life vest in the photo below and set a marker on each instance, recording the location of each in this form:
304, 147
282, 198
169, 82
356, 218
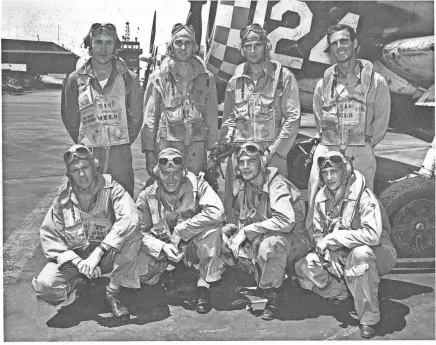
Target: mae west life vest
162, 229
184, 115
343, 120
82, 228
255, 113
103, 118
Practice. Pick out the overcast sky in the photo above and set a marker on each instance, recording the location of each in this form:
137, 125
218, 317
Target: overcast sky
27, 19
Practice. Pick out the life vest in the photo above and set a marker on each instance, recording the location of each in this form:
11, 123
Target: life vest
103, 118
343, 120
255, 113
84, 228
162, 228
184, 115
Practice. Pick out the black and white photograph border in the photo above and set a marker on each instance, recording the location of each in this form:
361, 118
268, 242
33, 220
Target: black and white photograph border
42, 42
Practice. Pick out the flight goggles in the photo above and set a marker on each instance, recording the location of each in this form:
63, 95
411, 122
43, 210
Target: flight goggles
80, 151
176, 161
334, 160
179, 27
257, 28
105, 26
250, 149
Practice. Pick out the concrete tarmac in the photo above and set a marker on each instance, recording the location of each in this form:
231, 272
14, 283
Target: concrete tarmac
34, 140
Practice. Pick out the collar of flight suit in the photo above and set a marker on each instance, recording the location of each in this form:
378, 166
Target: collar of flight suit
170, 65
354, 186
268, 69
118, 67
66, 191
356, 70
239, 184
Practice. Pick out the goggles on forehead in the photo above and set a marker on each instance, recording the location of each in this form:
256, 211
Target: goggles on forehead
176, 161
253, 27
82, 152
105, 26
249, 149
333, 160
179, 26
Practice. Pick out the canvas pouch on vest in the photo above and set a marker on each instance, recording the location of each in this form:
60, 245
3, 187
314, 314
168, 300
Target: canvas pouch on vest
255, 116
343, 120
161, 229
82, 228
103, 117
184, 116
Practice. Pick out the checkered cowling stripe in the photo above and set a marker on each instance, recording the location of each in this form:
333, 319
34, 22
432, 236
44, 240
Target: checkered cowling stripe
223, 56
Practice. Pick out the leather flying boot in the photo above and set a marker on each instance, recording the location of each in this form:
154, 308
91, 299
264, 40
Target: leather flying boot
118, 310
367, 331
203, 300
272, 306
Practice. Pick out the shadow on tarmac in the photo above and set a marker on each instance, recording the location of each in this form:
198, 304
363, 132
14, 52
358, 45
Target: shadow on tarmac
151, 303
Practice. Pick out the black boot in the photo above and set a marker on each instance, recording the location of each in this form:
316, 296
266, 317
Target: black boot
203, 300
118, 310
367, 331
272, 306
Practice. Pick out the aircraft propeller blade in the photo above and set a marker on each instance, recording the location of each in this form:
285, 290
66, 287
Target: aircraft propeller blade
151, 51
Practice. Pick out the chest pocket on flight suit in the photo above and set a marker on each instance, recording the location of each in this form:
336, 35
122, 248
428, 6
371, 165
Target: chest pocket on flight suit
263, 113
75, 235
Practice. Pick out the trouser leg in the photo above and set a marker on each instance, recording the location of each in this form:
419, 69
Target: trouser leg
54, 285
312, 276
228, 194
208, 248
362, 279
125, 271
151, 268
271, 257
119, 165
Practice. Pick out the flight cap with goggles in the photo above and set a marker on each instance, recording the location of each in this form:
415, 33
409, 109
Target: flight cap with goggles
253, 32
332, 159
182, 30
77, 152
170, 156
249, 149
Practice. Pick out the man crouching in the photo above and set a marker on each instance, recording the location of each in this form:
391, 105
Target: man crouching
270, 214
91, 229
353, 248
177, 207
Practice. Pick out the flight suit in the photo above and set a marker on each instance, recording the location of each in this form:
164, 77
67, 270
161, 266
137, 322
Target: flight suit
363, 242
266, 112
273, 222
106, 120
187, 122
196, 217
351, 113
67, 233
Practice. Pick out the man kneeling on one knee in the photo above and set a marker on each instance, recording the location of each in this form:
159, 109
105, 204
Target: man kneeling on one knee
351, 234
180, 206
91, 229
271, 234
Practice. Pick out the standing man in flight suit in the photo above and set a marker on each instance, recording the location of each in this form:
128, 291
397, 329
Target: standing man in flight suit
352, 107
180, 105
261, 105
181, 210
101, 105
351, 234
270, 224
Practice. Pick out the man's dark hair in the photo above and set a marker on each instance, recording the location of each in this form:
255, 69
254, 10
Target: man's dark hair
339, 27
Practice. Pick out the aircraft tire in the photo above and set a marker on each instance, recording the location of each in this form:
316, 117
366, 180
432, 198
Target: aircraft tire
410, 206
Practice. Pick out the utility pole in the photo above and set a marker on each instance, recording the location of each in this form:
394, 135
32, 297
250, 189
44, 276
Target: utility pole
58, 34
